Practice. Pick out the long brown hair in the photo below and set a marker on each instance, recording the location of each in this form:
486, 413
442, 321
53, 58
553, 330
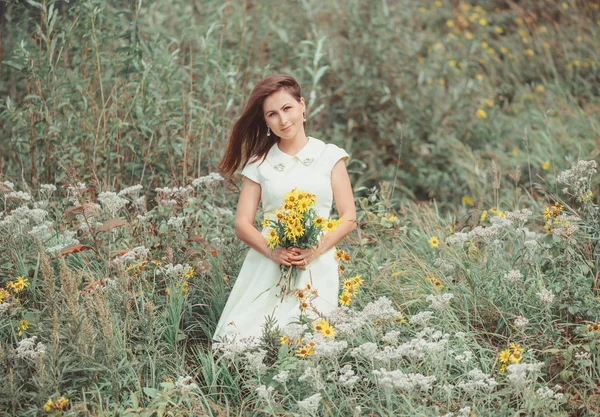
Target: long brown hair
248, 138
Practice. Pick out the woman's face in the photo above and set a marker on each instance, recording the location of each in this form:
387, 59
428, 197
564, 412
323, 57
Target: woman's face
284, 115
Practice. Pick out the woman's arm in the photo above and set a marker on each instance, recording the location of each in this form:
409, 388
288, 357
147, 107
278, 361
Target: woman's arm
244, 223
344, 201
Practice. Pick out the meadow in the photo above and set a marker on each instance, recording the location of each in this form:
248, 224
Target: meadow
470, 287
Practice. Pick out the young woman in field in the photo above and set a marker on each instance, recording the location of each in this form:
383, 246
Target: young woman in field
270, 142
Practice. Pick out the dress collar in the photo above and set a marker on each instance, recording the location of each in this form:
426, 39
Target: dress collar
307, 155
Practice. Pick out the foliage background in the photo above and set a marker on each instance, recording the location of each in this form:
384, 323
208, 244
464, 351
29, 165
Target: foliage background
447, 108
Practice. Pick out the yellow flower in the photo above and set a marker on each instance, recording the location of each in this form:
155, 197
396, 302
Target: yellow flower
265, 222
452, 63
284, 340
483, 21
345, 299
331, 224
529, 52
357, 281
483, 215
341, 256
24, 324
434, 241
304, 351
499, 30
503, 368
329, 331
516, 348
516, 357
435, 282
303, 205
479, 77
546, 165
3, 294
319, 221
304, 305
61, 403
489, 102
504, 356
18, 284
468, 35
319, 325
467, 200
539, 88
481, 114
300, 295
450, 23
279, 215
291, 196
49, 405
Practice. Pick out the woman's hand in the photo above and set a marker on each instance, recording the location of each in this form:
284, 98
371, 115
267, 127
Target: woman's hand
281, 255
301, 258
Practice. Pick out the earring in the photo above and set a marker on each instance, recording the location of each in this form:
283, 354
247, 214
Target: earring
268, 131
304, 116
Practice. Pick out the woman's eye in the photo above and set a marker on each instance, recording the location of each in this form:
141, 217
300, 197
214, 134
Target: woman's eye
287, 108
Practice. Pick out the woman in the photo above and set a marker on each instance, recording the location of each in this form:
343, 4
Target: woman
269, 140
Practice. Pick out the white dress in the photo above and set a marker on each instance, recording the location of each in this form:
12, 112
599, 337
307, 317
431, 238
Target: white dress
254, 295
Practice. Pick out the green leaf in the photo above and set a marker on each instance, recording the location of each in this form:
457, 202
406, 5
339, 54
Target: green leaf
150, 392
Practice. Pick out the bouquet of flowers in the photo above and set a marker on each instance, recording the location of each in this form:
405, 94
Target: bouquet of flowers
296, 224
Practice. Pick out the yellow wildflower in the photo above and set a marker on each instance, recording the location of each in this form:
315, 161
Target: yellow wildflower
329, 331
529, 52
49, 405
284, 340
481, 114
539, 88
467, 200
265, 222
516, 357
18, 284
499, 30
489, 102
345, 299
434, 241
3, 294
483, 215
468, 35
319, 221
504, 356
304, 351
331, 224
483, 21
503, 368
435, 282
319, 325
546, 165
479, 77
61, 403
24, 324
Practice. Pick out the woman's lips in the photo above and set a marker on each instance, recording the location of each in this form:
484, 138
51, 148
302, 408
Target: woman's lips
285, 129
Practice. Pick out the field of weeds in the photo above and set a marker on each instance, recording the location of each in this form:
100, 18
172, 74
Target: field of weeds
471, 283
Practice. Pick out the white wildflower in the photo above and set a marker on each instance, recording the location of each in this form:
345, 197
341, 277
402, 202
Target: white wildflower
255, 359
545, 296
167, 192
421, 318
19, 195
440, 302
4, 307
310, 405
522, 374
233, 348
457, 239
265, 393
366, 350
381, 309
581, 356
134, 189
521, 322
282, 377
30, 349
391, 337
208, 180
402, 381
111, 202
465, 357
578, 178
134, 255
513, 276
176, 222
520, 216
347, 377
186, 384
61, 241
477, 381
48, 188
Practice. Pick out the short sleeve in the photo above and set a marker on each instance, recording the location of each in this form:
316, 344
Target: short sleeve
334, 154
250, 171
